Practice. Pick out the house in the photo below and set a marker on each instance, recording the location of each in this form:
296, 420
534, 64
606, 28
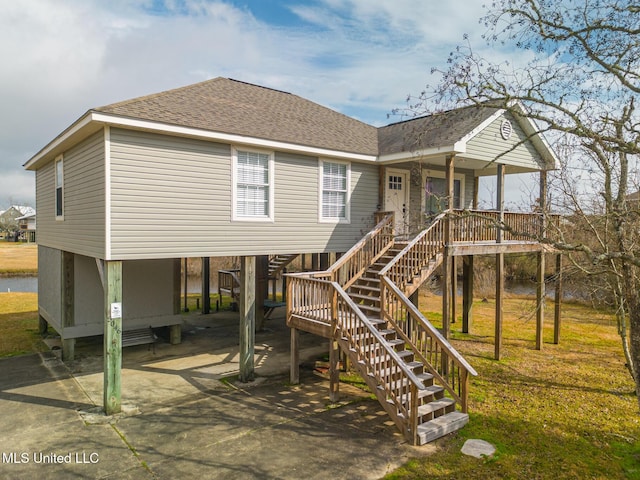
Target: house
227, 168
11, 219
27, 226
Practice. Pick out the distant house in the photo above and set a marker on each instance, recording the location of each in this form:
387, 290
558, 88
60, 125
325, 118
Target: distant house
27, 226
11, 219
227, 168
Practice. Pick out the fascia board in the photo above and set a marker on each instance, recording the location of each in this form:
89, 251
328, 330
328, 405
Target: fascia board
456, 148
74, 128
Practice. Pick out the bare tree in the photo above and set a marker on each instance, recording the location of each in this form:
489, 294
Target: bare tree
578, 77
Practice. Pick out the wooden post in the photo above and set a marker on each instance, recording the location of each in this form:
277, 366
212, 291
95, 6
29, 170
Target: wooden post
294, 368
334, 352
446, 292
68, 317
324, 261
43, 325
262, 288
113, 310
334, 371
186, 274
247, 317
499, 264
499, 306
540, 301
467, 293
500, 200
206, 285
558, 300
454, 288
476, 188
177, 278
382, 179
446, 261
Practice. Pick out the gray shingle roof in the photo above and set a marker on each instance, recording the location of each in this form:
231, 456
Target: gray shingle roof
438, 130
234, 107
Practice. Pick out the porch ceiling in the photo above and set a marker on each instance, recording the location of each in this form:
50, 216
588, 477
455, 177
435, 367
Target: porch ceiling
481, 168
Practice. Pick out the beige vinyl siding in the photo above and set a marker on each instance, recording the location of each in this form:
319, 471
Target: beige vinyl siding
83, 228
488, 144
171, 197
49, 277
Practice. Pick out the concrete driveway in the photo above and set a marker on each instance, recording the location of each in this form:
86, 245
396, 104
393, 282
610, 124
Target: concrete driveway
185, 416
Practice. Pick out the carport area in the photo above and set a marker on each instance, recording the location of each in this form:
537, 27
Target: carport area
185, 414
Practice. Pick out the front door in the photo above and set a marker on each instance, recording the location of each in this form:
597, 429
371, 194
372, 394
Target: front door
396, 199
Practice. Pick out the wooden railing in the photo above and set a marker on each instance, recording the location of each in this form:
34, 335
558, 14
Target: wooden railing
483, 225
309, 296
380, 361
229, 281
416, 255
323, 301
350, 266
448, 367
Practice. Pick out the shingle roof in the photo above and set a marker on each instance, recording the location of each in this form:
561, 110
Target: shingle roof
234, 107
438, 130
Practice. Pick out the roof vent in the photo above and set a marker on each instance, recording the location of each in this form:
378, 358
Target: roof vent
506, 129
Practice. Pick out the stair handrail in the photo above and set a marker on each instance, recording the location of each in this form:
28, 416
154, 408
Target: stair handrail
362, 318
428, 344
417, 254
352, 264
399, 382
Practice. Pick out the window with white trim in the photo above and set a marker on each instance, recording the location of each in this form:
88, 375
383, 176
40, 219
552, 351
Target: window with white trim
334, 191
253, 185
59, 174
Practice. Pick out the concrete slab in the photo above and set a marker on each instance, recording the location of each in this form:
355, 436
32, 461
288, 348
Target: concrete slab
192, 419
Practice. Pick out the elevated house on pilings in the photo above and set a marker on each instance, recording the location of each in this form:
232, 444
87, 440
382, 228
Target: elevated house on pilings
226, 168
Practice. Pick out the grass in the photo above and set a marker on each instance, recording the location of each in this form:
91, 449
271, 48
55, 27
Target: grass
19, 324
18, 258
567, 411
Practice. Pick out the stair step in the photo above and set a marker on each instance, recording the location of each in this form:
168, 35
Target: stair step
369, 308
429, 391
441, 426
360, 296
436, 405
366, 288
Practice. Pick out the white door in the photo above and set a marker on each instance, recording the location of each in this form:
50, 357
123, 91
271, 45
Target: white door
396, 199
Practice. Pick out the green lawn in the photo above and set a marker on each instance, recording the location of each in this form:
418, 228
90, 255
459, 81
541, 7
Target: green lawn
19, 324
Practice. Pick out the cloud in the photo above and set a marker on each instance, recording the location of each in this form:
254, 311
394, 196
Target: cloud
361, 57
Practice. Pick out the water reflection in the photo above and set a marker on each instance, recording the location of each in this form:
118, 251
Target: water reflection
18, 284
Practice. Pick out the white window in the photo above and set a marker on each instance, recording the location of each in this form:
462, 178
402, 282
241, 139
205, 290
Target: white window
252, 185
59, 174
334, 191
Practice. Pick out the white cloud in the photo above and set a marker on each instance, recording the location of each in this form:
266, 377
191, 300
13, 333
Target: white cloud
362, 57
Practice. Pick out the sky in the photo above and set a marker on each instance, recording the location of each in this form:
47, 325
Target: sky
360, 57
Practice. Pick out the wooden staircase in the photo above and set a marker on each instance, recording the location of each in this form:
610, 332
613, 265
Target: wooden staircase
229, 280
417, 376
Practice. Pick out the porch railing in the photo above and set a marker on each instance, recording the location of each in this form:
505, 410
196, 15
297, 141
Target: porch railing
483, 225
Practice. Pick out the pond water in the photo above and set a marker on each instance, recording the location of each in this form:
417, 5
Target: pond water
18, 284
